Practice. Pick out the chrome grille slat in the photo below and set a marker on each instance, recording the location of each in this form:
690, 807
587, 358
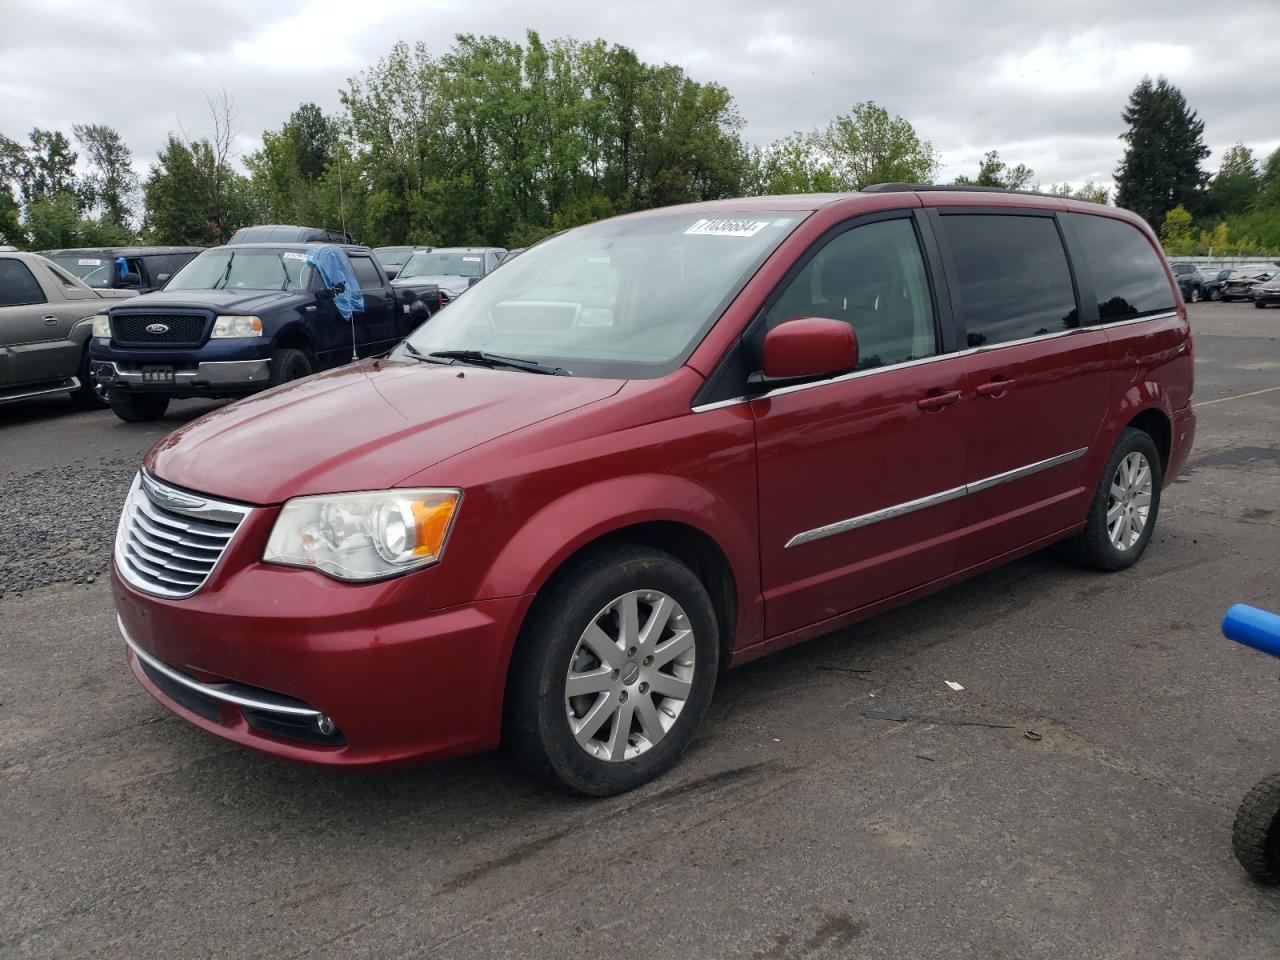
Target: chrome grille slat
170, 541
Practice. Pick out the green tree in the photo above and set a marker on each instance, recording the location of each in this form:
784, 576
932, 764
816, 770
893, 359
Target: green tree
994, 172
111, 184
1175, 232
868, 146
1160, 168
47, 168
794, 164
1235, 187
1090, 191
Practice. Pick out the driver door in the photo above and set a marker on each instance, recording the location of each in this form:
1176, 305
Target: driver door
860, 476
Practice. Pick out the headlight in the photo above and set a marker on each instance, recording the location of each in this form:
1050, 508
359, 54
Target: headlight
237, 327
102, 326
364, 536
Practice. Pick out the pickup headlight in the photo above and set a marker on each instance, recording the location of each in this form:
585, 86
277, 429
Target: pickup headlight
237, 327
102, 326
364, 536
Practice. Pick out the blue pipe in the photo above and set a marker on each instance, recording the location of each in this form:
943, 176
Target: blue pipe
1253, 627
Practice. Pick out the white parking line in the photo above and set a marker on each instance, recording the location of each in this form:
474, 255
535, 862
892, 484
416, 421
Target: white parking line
1239, 396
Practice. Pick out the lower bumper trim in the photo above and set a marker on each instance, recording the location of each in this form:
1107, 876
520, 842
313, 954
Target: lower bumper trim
214, 373
239, 695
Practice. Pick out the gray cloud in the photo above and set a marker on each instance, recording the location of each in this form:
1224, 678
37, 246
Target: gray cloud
1045, 86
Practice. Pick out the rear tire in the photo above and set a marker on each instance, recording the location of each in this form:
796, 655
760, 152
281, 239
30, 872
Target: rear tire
289, 364
660, 695
1215, 294
1125, 506
1195, 294
138, 407
89, 395
1259, 304
1255, 835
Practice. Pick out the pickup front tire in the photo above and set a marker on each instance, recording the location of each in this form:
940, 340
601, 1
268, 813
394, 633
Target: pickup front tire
138, 407
289, 364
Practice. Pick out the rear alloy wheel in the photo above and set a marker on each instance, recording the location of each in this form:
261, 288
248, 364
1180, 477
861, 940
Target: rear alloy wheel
613, 672
1215, 294
289, 364
138, 407
1195, 294
1123, 513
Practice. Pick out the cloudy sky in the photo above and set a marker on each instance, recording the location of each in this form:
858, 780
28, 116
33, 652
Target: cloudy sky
1042, 83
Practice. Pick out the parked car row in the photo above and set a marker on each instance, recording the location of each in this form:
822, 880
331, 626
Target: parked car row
1235, 283
644, 450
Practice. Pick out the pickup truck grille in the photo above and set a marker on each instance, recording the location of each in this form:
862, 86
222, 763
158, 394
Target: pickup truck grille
169, 541
143, 329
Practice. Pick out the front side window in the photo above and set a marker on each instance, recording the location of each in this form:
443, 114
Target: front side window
1013, 275
17, 285
227, 268
629, 297
1128, 276
366, 273
873, 278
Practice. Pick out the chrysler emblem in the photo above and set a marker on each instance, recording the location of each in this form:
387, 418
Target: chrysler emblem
168, 497
157, 328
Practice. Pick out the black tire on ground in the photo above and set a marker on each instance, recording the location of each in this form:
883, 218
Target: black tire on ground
289, 364
138, 407
1255, 835
536, 725
1215, 294
1092, 546
1259, 304
89, 396
1195, 294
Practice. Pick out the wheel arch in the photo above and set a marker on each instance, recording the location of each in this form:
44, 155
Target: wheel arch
295, 338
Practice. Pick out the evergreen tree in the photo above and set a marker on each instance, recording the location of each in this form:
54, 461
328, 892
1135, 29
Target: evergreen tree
111, 184
1161, 164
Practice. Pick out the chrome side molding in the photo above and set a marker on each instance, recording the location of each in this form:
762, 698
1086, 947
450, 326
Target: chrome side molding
932, 500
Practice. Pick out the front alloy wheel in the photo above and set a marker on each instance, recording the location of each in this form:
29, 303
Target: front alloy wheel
630, 675
613, 671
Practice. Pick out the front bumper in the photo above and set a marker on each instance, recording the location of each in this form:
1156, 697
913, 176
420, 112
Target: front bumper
297, 665
208, 375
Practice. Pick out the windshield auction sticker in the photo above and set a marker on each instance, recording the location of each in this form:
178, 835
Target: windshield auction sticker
88, 262
727, 228
290, 255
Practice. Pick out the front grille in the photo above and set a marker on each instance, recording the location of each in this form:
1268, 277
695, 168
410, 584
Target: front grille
180, 329
169, 540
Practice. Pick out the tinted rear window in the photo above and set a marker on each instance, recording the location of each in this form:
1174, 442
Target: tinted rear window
1128, 276
17, 285
1014, 278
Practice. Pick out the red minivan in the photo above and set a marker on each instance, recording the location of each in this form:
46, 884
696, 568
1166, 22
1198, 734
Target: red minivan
648, 449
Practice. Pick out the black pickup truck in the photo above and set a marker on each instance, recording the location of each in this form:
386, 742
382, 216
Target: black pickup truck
244, 317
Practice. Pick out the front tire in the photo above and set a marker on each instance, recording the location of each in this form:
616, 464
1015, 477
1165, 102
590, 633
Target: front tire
289, 364
138, 407
1259, 304
90, 395
1255, 835
1195, 294
1215, 294
613, 673
1125, 505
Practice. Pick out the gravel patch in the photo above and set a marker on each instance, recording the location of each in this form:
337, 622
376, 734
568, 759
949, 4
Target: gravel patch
59, 525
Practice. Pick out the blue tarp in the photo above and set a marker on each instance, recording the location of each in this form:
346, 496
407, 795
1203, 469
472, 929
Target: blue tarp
335, 268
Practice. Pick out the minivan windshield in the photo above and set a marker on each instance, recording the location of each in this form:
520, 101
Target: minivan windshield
227, 268
626, 298
444, 263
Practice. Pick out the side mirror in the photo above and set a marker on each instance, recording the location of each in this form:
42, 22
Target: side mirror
806, 348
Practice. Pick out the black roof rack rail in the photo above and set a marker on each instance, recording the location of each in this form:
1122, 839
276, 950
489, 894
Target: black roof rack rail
956, 187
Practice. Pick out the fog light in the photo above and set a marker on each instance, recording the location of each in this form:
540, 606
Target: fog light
325, 724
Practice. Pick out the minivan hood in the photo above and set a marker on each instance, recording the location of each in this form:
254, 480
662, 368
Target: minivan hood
221, 301
362, 427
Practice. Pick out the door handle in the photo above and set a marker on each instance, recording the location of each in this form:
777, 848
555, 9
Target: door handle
996, 388
50, 320
938, 401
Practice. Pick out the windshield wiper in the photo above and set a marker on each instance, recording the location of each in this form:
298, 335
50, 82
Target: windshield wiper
419, 355
485, 359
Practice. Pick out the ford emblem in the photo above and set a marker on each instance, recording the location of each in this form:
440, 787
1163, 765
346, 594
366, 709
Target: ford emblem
157, 328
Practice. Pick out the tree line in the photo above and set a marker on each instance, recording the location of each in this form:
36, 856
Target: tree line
499, 142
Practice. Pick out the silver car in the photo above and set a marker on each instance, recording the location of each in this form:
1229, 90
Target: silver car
46, 320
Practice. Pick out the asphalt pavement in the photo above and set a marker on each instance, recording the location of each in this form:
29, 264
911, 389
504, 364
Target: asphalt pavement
1075, 799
